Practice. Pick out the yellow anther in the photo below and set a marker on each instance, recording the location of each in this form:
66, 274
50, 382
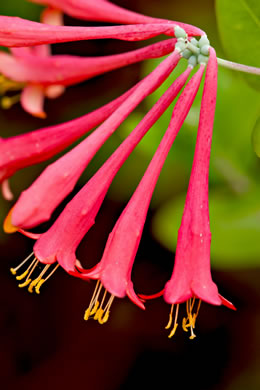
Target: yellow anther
173, 331
22, 276
170, 318
93, 311
87, 314
105, 317
7, 102
13, 271
100, 319
98, 314
169, 322
38, 285
24, 284
33, 284
184, 324
192, 336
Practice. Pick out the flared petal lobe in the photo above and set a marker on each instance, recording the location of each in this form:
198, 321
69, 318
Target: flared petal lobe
191, 274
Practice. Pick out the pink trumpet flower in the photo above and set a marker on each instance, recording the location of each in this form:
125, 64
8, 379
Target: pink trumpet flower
191, 277
36, 204
81, 211
102, 10
48, 75
39, 145
18, 32
114, 270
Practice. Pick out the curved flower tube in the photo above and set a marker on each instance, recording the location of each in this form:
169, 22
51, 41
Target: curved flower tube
191, 277
46, 75
67, 70
59, 178
105, 11
114, 269
39, 145
18, 32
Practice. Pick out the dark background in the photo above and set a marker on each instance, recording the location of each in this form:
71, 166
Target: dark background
45, 343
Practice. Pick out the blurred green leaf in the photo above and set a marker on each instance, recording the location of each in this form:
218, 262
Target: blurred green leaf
21, 8
239, 27
235, 226
256, 138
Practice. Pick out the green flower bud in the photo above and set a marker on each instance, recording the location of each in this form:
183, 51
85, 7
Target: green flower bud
180, 32
203, 41
186, 53
193, 61
194, 42
202, 59
205, 50
180, 46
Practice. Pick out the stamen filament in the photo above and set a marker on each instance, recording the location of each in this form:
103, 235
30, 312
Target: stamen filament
35, 281
175, 322
95, 309
32, 265
13, 270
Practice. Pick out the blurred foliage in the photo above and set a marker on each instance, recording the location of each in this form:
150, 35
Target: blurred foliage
239, 28
256, 137
21, 8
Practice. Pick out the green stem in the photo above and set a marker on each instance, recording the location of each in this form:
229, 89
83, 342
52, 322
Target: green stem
239, 67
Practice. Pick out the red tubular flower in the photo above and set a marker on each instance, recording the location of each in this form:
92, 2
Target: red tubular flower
60, 242
46, 75
191, 277
100, 10
31, 148
36, 204
114, 269
18, 32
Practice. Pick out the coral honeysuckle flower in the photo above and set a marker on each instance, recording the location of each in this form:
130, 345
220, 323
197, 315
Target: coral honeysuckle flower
36, 204
114, 270
100, 10
45, 75
80, 213
18, 32
39, 145
191, 277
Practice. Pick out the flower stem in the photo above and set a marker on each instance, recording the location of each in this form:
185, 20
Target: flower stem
238, 67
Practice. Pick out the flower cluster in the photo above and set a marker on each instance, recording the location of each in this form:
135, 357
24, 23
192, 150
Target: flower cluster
30, 67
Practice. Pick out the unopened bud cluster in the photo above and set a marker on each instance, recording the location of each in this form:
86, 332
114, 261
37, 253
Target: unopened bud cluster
195, 51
